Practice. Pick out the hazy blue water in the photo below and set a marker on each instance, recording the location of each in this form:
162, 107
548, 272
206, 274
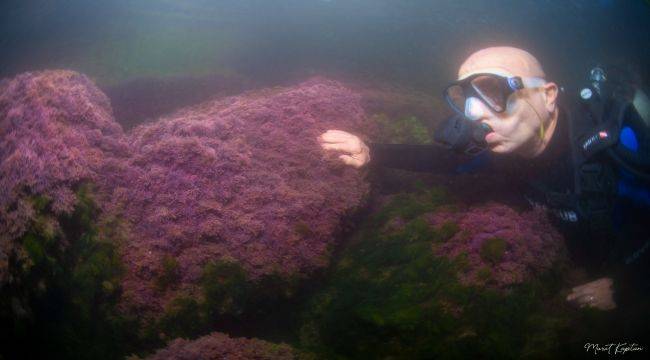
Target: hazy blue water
420, 43
416, 43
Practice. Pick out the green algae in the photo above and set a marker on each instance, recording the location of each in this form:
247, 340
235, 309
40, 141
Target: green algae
184, 316
484, 274
403, 130
170, 274
301, 228
390, 296
64, 290
492, 250
226, 288
446, 231
409, 205
228, 295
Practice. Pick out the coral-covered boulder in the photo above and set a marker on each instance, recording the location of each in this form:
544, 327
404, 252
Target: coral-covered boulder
216, 346
502, 246
240, 179
56, 130
406, 285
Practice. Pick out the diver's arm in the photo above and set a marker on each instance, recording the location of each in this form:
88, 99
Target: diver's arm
430, 158
354, 152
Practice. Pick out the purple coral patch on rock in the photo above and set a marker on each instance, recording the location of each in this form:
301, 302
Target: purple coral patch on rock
532, 244
234, 178
241, 178
56, 130
221, 346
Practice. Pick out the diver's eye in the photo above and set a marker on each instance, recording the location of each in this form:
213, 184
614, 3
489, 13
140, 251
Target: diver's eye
512, 103
490, 90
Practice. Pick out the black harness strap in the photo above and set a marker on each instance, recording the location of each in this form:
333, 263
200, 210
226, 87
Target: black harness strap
594, 179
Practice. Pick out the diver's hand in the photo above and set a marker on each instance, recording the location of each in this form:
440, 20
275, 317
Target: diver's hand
355, 152
597, 294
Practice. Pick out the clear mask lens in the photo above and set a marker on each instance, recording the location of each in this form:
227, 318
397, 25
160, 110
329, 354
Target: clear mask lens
474, 109
491, 91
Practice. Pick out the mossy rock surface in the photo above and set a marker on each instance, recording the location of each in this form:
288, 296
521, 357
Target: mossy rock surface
63, 295
67, 288
492, 250
390, 296
228, 296
402, 130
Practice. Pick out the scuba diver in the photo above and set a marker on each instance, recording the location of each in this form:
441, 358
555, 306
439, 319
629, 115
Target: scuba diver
585, 160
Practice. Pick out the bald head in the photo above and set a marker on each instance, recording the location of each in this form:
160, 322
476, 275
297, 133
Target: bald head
502, 59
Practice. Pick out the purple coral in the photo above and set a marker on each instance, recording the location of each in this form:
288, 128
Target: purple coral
239, 178
232, 178
56, 130
532, 244
220, 346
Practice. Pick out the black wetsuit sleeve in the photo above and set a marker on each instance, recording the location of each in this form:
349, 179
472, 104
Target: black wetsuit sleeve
430, 158
632, 284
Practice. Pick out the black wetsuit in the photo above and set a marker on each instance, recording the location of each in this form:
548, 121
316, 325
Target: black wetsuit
617, 246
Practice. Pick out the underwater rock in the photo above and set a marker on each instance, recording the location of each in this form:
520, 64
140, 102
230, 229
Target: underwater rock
56, 130
64, 285
502, 247
402, 288
405, 130
221, 346
241, 179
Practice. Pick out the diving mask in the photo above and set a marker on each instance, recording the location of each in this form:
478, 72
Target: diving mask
490, 89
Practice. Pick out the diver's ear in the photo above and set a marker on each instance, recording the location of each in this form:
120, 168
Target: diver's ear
550, 96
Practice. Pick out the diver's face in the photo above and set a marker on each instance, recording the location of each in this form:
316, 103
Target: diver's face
516, 129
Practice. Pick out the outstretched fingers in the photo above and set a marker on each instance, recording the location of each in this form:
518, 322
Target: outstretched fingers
346, 147
336, 136
340, 141
352, 161
355, 152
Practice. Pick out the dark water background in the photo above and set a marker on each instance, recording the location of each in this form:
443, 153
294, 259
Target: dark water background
416, 43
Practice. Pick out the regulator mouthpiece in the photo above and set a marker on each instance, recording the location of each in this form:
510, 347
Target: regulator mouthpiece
462, 135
